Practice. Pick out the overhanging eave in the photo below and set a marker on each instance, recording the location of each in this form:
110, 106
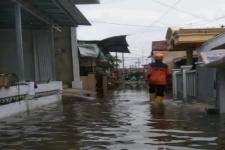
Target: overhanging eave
41, 13
71, 10
78, 2
216, 42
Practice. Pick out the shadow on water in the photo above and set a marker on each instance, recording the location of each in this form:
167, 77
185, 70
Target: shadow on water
122, 121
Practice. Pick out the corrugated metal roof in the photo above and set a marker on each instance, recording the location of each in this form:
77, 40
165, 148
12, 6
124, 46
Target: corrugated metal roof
56, 12
214, 58
115, 44
89, 50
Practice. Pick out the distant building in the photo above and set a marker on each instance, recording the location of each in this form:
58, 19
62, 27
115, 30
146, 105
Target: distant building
169, 56
90, 56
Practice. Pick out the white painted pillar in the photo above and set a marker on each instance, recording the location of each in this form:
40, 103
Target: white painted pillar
174, 79
19, 41
220, 90
77, 83
184, 75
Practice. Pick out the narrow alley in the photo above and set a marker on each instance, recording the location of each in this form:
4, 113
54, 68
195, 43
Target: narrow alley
120, 121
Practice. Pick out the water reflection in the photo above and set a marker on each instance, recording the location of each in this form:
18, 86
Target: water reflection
121, 121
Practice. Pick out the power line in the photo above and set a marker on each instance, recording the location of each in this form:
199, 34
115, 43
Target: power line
180, 10
163, 15
154, 26
121, 24
197, 22
166, 12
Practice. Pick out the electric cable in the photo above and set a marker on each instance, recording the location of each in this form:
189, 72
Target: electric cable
160, 17
179, 10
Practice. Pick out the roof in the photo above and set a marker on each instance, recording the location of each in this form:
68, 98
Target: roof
185, 39
89, 50
42, 12
218, 42
88, 42
115, 44
214, 58
159, 46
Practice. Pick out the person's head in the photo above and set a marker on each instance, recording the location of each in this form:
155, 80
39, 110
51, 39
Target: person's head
158, 56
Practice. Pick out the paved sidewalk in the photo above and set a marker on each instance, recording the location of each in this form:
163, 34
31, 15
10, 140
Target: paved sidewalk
79, 93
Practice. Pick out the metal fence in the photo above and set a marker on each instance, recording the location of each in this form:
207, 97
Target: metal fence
179, 85
191, 83
184, 83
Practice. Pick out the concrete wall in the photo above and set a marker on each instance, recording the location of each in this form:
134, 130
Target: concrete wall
89, 82
64, 66
29, 103
37, 54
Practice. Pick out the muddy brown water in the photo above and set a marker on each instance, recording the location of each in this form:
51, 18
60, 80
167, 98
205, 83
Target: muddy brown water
122, 121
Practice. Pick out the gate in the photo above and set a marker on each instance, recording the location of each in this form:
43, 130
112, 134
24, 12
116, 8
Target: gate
184, 83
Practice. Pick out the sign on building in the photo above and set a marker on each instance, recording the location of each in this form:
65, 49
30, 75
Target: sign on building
159, 46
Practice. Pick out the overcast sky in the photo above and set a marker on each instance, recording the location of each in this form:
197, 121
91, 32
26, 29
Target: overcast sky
145, 21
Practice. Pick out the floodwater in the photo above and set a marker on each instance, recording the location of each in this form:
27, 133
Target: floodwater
122, 121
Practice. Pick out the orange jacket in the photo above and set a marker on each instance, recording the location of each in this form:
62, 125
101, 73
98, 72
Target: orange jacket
157, 73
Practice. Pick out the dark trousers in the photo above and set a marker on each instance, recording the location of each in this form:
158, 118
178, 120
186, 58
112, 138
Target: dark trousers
158, 89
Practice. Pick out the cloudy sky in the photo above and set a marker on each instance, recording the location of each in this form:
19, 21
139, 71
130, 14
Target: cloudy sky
145, 21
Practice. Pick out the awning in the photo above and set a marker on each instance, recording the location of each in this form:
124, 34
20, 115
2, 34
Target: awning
114, 44
215, 58
89, 50
38, 13
215, 43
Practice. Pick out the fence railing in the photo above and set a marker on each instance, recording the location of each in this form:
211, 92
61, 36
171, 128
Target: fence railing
184, 83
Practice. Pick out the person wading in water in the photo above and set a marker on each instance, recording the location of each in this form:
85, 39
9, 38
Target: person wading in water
157, 77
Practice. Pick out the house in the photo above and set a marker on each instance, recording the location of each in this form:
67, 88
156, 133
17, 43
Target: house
189, 81
170, 57
90, 57
214, 45
66, 46
29, 36
96, 63
189, 40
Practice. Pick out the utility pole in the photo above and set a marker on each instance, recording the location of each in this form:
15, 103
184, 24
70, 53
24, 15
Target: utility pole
117, 73
138, 63
123, 68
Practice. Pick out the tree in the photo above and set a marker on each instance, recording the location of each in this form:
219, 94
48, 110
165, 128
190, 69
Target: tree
110, 62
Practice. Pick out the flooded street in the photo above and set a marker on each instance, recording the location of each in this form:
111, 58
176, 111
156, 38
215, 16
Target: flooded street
122, 121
